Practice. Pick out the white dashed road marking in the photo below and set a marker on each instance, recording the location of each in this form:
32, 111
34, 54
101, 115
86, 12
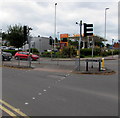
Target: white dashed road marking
39, 93
44, 90
26, 103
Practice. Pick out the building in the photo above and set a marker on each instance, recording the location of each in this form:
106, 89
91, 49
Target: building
64, 38
40, 43
116, 45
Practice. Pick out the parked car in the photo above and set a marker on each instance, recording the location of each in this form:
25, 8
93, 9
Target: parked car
25, 55
6, 56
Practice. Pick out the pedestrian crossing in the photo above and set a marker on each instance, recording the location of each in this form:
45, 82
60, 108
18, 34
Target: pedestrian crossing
11, 111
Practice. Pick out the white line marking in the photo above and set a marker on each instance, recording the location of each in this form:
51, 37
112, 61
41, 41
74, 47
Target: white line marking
44, 90
26, 103
33, 98
39, 93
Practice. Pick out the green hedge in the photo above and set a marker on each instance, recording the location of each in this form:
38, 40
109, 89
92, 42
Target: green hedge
46, 54
34, 51
11, 51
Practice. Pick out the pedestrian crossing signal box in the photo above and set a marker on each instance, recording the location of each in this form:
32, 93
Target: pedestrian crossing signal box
88, 29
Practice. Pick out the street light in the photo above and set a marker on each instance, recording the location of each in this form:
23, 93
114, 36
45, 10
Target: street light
55, 27
0, 37
105, 22
40, 45
58, 35
112, 47
80, 24
29, 43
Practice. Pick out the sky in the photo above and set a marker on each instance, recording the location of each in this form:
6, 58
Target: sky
40, 16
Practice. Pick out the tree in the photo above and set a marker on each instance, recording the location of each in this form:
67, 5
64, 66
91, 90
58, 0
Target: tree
108, 45
15, 36
99, 43
69, 51
4, 36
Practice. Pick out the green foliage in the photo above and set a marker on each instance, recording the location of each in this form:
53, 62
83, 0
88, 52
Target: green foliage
99, 43
86, 51
97, 52
116, 52
69, 52
46, 54
34, 51
73, 43
15, 36
11, 51
4, 36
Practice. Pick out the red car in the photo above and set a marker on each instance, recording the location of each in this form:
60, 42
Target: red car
25, 55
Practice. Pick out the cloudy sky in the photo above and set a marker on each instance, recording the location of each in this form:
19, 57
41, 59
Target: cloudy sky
39, 15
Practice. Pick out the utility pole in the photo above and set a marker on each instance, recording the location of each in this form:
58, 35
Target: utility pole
92, 51
80, 24
29, 43
105, 23
112, 47
55, 27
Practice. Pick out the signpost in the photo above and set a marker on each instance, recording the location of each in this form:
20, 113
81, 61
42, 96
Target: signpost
88, 31
80, 24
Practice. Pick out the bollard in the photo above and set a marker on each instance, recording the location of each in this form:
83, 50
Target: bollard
103, 64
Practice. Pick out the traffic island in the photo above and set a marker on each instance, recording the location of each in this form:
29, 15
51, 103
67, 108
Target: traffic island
94, 70
106, 72
17, 67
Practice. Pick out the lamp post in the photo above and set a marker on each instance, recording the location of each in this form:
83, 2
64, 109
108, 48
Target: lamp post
55, 27
112, 47
29, 41
57, 46
58, 35
80, 24
105, 23
0, 37
39, 48
0, 48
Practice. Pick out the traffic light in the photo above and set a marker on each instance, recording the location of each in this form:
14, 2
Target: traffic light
51, 41
88, 29
25, 32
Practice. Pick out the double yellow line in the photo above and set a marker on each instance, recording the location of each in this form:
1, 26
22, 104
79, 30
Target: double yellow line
9, 112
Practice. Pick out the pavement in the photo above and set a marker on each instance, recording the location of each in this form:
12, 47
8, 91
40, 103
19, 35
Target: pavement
45, 92
54, 65
114, 57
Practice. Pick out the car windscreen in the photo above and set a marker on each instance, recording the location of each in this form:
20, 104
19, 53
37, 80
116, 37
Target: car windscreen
26, 53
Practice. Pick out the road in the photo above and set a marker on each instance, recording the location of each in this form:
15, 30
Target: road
37, 92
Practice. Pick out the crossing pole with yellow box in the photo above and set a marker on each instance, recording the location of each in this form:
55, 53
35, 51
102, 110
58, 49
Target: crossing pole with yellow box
103, 64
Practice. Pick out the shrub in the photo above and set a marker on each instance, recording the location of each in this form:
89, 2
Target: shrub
116, 52
46, 54
86, 52
68, 52
97, 51
11, 51
34, 51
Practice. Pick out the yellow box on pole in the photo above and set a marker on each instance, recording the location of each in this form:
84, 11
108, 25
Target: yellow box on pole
103, 64
78, 52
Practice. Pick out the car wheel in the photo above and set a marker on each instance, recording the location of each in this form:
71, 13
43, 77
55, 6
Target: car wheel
16, 58
8, 59
3, 59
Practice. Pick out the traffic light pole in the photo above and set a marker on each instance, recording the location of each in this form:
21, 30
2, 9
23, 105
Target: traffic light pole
80, 41
29, 50
92, 51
